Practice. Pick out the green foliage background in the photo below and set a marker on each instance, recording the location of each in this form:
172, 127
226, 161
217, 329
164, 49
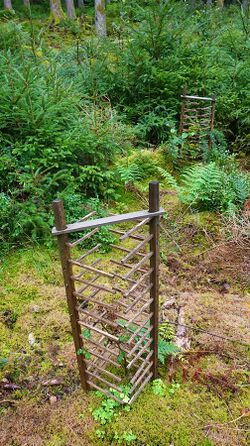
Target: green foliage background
73, 105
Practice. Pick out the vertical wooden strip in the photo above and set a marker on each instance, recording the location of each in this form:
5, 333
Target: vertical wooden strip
60, 223
211, 121
154, 204
183, 105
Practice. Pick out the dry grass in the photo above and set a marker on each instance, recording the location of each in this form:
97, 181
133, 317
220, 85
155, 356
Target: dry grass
64, 423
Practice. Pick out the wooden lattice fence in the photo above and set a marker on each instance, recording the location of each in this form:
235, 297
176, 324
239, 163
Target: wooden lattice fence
113, 304
197, 118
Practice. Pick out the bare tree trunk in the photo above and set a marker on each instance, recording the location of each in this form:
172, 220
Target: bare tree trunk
220, 3
71, 13
56, 10
245, 4
7, 4
80, 4
26, 3
100, 18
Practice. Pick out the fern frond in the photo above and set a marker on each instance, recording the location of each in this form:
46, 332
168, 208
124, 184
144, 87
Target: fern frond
169, 178
130, 174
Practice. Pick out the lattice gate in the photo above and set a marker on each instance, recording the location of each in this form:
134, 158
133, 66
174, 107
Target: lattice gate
113, 304
197, 117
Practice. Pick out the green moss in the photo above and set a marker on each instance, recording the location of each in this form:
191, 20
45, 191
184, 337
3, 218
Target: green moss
176, 418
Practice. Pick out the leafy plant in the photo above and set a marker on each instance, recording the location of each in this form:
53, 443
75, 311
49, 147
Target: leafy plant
169, 178
209, 187
166, 349
125, 438
166, 331
84, 352
158, 387
108, 408
129, 174
3, 362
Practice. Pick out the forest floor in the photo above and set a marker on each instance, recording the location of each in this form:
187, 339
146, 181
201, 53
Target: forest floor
206, 400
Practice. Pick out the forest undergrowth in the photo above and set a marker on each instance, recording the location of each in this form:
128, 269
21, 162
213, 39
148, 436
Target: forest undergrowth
92, 121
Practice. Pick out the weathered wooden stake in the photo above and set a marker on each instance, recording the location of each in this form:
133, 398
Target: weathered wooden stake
154, 205
183, 106
60, 223
211, 121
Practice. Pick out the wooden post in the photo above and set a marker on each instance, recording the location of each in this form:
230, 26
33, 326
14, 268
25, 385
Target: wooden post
183, 105
154, 203
211, 121
60, 223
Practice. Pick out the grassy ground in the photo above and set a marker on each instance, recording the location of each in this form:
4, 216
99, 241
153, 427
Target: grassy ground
210, 404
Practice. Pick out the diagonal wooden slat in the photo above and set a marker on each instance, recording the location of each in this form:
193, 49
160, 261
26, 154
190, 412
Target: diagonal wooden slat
135, 250
138, 265
98, 330
143, 350
140, 328
94, 285
140, 312
94, 366
86, 217
133, 236
140, 378
138, 298
91, 268
141, 340
84, 237
99, 318
126, 265
121, 248
100, 378
139, 282
104, 358
141, 388
142, 366
106, 392
90, 251
134, 229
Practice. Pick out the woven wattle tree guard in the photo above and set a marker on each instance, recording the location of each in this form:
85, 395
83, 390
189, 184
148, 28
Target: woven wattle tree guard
113, 300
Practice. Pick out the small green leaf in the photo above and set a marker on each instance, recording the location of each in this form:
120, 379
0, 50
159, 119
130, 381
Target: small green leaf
86, 333
80, 351
3, 362
120, 357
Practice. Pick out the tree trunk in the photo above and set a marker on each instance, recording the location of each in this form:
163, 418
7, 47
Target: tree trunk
26, 3
100, 18
56, 10
244, 4
7, 4
80, 4
209, 2
71, 13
